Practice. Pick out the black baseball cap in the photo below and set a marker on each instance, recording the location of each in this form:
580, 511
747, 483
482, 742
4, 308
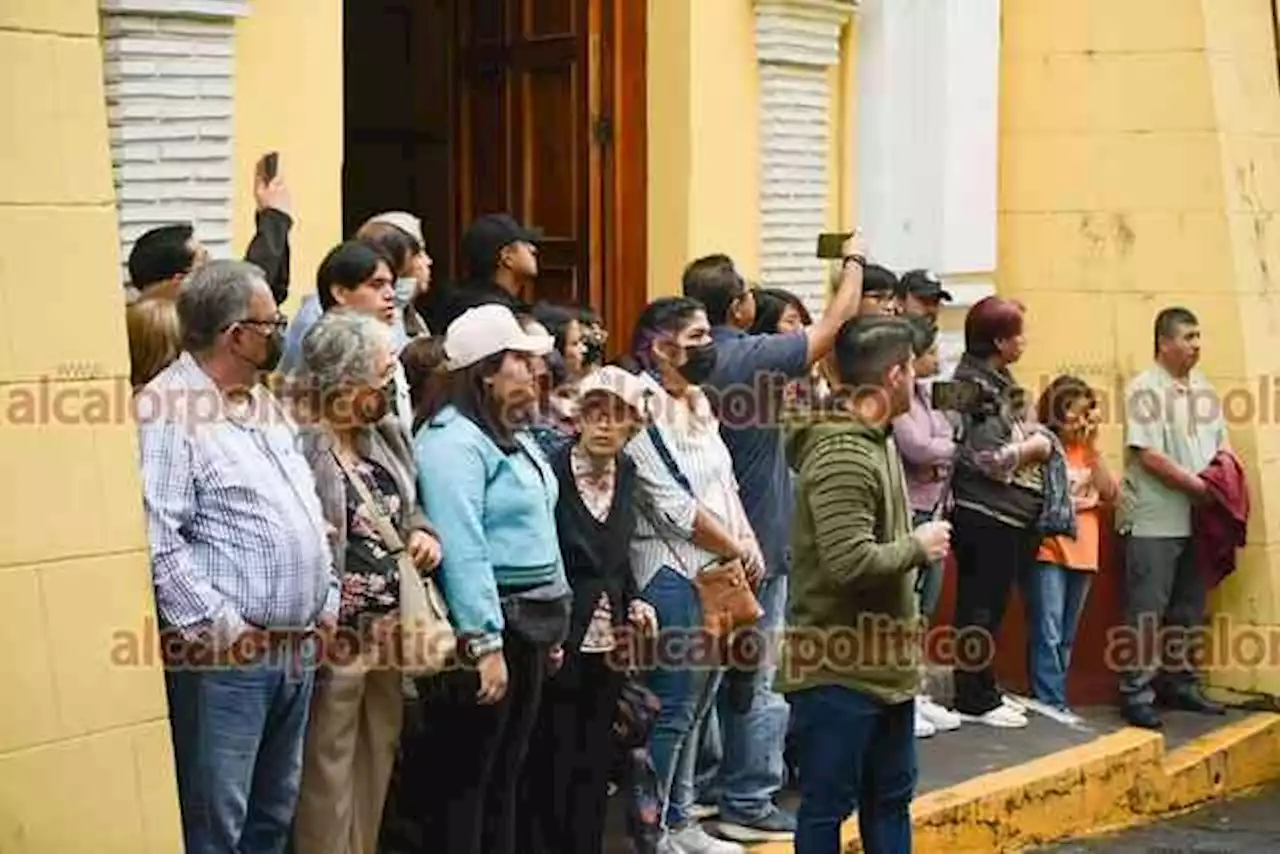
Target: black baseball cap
489, 235
923, 284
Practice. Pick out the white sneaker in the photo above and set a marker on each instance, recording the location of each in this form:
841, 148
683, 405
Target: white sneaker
1013, 703
942, 718
666, 846
924, 729
1001, 716
694, 840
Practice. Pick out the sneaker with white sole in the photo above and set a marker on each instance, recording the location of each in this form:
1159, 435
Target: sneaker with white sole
1001, 716
942, 718
694, 840
924, 729
1013, 703
700, 811
777, 825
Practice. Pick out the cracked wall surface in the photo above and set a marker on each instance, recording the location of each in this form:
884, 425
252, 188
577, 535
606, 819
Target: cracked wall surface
1139, 169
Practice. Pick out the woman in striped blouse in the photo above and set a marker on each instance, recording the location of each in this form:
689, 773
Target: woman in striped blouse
690, 515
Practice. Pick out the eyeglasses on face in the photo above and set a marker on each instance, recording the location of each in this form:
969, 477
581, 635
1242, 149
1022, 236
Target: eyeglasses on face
277, 323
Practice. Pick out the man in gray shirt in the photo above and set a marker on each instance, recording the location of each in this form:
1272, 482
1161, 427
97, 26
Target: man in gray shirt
1173, 429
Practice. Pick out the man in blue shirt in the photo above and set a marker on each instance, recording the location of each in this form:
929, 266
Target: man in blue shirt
746, 390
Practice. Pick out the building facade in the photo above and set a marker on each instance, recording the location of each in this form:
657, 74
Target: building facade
1098, 160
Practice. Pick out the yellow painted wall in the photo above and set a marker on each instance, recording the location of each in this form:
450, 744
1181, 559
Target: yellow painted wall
288, 92
670, 142
85, 759
704, 150
1139, 170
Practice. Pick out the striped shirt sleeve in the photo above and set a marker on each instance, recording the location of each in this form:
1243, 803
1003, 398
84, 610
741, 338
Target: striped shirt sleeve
845, 496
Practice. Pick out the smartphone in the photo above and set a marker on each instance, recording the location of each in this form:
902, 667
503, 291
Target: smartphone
831, 246
955, 395
269, 166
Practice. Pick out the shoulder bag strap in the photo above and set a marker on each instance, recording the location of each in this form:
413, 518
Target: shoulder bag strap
668, 460
386, 529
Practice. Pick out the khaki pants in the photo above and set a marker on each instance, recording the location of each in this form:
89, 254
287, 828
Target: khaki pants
347, 760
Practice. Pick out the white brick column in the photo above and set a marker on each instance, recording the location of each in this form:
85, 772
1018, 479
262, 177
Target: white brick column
797, 41
169, 74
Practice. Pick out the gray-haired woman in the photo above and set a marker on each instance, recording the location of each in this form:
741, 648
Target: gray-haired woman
356, 711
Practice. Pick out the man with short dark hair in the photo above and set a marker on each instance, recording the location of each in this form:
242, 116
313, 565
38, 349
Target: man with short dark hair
161, 258
755, 368
1170, 437
853, 570
920, 294
501, 257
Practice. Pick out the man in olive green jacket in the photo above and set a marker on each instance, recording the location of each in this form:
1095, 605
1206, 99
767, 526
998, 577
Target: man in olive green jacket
851, 664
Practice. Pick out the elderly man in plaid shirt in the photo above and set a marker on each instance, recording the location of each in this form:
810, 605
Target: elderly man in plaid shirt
242, 566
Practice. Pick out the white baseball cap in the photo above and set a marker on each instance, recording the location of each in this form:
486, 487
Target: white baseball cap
487, 330
610, 379
406, 222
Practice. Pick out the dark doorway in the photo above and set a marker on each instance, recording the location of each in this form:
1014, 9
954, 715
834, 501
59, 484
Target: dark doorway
455, 108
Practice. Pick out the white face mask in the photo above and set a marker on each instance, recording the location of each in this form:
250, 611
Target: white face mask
406, 287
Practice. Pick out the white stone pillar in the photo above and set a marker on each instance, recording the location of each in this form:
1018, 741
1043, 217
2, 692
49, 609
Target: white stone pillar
169, 70
797, 42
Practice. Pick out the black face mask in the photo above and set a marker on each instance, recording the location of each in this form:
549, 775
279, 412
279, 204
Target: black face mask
274, 345
700, 361
275, 349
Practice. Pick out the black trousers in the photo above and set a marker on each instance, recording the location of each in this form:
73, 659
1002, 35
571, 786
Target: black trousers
990, 557
460, 773
565, 788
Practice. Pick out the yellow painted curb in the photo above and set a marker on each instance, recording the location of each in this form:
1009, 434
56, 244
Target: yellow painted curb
1117, 780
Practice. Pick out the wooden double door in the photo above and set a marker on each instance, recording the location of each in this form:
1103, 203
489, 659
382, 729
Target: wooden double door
457, 108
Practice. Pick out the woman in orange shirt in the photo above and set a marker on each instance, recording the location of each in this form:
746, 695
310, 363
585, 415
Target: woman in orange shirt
1059, 582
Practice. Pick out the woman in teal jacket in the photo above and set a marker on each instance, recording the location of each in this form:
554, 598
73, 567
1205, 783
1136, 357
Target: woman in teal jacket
492, 497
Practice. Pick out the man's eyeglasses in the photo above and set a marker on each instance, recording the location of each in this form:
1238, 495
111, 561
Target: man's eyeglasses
279, 323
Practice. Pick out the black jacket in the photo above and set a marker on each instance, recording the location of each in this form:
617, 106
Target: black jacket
269, 249
443, 303
993, 419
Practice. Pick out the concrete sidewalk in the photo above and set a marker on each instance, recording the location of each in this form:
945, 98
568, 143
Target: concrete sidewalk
983, 789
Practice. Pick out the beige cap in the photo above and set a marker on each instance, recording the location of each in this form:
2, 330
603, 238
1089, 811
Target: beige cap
610, 379
406, 222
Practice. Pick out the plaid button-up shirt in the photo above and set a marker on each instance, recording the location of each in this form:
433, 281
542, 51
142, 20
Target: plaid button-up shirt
237, 534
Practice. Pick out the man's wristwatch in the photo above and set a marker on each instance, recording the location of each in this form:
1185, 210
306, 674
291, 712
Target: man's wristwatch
860, 260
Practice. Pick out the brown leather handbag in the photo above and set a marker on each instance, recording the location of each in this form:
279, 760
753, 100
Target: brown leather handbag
728, 602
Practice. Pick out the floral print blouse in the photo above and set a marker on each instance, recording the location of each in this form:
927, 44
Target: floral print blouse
371, 583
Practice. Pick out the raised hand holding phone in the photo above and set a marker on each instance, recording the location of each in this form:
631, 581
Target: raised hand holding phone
269, 188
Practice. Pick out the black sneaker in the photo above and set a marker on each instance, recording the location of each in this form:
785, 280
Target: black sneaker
1192, 700
1141, 715
777, 825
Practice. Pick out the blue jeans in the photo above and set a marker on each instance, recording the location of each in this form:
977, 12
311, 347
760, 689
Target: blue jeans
751, 768
855, 753
929, 580
686, 689
1055, 598
237, 743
